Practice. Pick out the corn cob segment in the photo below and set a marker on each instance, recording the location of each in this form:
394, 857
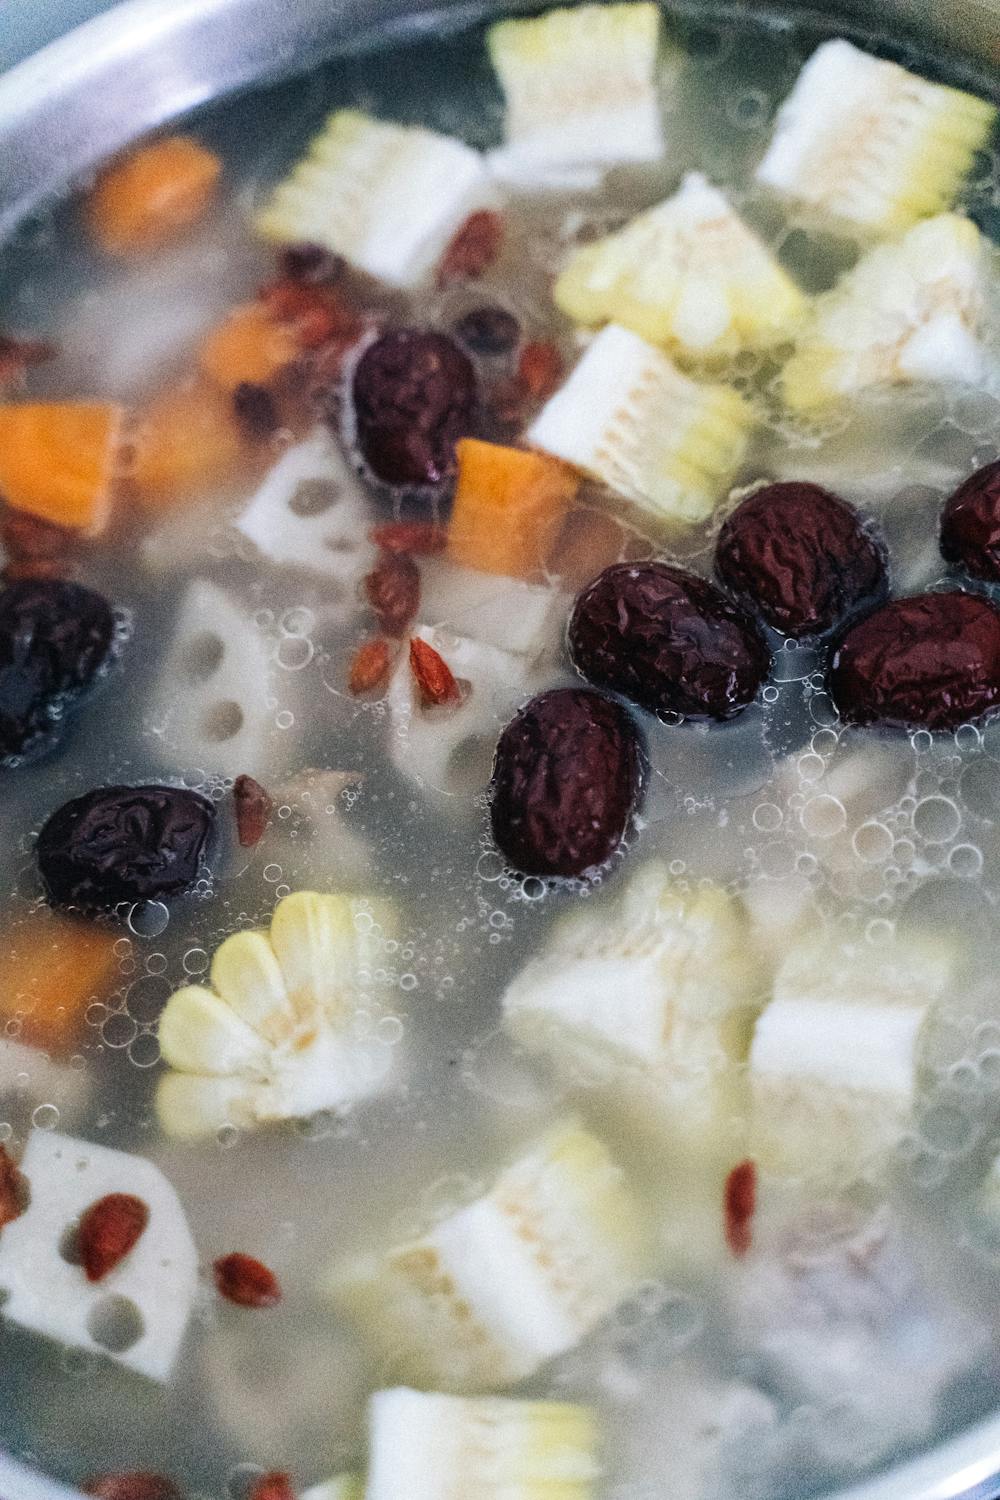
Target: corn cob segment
836, 1056
910, 310
629, 418
580, 91
511, 1280
435, 1447
869, 143
388, 198
688, 275
272, 1038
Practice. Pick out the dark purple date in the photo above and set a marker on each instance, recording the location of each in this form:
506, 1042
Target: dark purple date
414, 394
970, 525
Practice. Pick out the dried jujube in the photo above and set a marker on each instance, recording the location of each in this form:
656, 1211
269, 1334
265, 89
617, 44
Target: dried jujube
566, 778
55, 638
124, 843
800, 558
668, 640
931, 661
413, 395
970, 525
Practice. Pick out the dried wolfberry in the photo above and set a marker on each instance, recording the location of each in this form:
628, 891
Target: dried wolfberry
247, 1282
29, 538
432, 674
507, 407
138, 1485
419, 538
540, 369
273, 1486
17, 354
475, 246
370, 666
38, 567
739, 1203
393, 591
256, 410
314, 314
13, 1190
108, 1230
253, 809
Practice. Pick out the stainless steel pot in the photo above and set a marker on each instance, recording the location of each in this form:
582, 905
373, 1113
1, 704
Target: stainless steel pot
145, 62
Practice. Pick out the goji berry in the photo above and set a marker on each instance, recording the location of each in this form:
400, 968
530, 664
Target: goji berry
393, 591
540, 369
247, 1282
432, 674
475, 246
739, 1203
108, 1230
253, 809
419, 538
370, 666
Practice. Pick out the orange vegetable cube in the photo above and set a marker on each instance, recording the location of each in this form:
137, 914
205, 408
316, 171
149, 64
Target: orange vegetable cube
51, 968
250, 345
57, 460
152, 196
509, 506
188, 440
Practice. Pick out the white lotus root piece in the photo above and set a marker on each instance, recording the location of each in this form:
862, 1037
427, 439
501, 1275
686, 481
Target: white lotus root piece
526, 619
388, 198
138, 1312
310, 513
448, 749
209, 706
871, 144
503, 1285
580, 92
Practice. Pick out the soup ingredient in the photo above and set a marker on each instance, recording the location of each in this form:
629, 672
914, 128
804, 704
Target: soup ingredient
738, 1207
653, 994
910, 310
187, 442
474, 248
108, 1230
251, 345
140, 1314
434, 678
970, 525
511, 1280
413, 395
273, 1486
152, 196
393, 591
580, 91
867, 142
369, 667
277, 1035
124, 843
801, 558
836, 1054
931, 661
246, 1281
688, 275
58, 461
56, 639
310, 513
13, 1190
137, 1485
344, 1487
18, 355
34, 548
419, 538
668, 640
525, 618
388, 198
488, 331
628, 417
589, 542
567, 775
253, 811
539, 369
508, 508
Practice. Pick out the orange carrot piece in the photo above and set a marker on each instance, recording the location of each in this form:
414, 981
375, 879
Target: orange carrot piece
152, 196
57, 460
186, 441
508, 507
249, 347
51, 968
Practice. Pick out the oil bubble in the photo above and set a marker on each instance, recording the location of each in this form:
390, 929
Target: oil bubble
936, 820
45, 1117
767, 817
980, 788
144, 1051
294, 652
195, 961
965, 860
872, 842
148, 918
823, 817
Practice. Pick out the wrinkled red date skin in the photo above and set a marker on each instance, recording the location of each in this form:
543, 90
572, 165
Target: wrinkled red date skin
414, 394
668, 640
970, 525
928, 662
800, 558
739, 1206
567, 775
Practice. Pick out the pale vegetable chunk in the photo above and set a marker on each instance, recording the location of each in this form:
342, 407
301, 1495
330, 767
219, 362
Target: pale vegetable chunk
910, 310
688, 275
629, 418
388, 198
500, 1287
433, 1447
344, 1487
580, 91
274, 1038
869, 143
138, 1312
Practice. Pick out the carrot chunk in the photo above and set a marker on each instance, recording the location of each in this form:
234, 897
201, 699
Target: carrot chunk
186, 441
249, 348
51, 968
151, 196
57, 460
509, 505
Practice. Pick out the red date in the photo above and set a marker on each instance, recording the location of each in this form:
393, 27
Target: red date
970, 525
414, 394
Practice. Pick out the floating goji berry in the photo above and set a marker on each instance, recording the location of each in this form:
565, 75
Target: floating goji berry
393, 591
432, 674
253, 809
739, 1203
419, 538
370, 666
540, 369
273, 1486
247, 1282
475, 246
108, 1230
13, 1189
29, 537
